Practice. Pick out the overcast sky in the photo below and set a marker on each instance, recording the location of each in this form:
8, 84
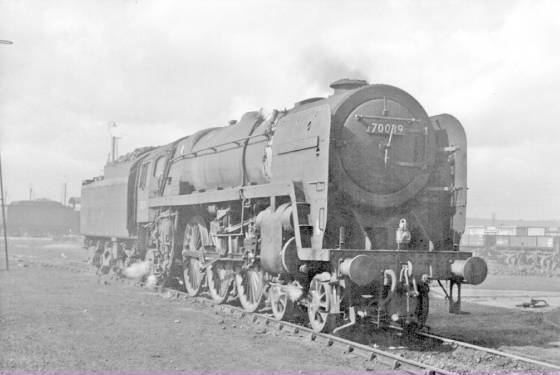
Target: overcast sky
164, 69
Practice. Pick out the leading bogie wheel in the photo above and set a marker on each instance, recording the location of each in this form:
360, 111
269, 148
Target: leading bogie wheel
321, 305
250, 285
220, 280
280, 302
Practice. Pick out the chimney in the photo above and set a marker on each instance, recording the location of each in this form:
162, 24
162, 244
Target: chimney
346, 84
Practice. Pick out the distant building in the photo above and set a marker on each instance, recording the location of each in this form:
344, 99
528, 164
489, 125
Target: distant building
41, 217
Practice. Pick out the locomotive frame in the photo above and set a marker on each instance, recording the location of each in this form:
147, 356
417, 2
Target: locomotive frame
298, 210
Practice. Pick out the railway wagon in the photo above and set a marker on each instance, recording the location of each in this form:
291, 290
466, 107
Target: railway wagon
540, 251
345, 207
41, 217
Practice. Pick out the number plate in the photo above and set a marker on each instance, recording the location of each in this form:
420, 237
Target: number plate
385, 128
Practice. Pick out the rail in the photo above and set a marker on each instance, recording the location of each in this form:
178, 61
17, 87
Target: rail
390, 360
393, 361
482, 349
489, 350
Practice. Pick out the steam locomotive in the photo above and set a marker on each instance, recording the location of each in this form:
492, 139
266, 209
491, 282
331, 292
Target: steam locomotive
346, 207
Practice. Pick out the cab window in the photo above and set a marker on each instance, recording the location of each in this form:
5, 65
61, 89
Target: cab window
143, 176
159, 167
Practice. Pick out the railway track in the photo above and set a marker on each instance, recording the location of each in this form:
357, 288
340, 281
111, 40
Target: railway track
388, 358
391, 360
463, 344
457, 343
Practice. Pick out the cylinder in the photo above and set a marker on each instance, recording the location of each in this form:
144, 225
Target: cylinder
472, 270
277, 255
361, 269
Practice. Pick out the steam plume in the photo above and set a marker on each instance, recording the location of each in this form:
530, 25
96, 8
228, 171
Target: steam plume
137, 270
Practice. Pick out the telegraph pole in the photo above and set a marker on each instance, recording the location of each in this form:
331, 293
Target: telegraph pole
4, 198
4, 216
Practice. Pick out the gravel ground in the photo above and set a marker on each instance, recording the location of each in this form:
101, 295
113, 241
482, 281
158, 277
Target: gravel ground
531, 334
54, 321
57, 322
